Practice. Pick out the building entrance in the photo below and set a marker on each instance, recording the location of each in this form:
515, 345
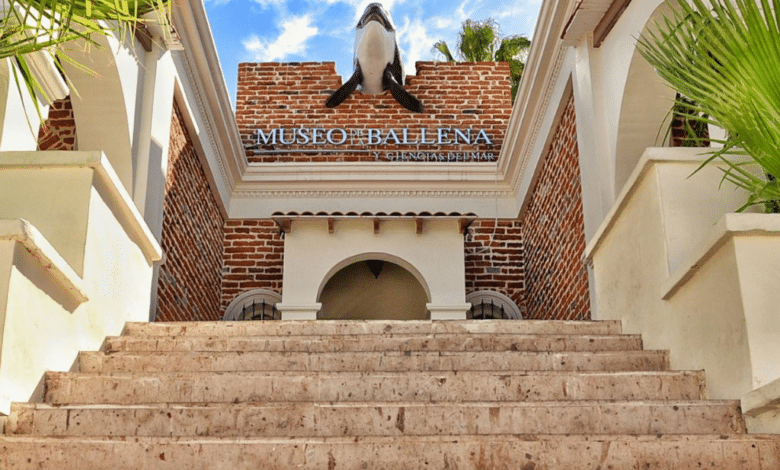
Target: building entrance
373, 290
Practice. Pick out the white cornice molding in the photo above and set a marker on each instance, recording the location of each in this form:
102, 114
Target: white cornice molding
585, 18
203, 71
367, 193
45, 71
537, 89
370, 171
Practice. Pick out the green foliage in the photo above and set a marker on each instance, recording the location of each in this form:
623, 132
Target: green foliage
480, 41
30, 26
724, 58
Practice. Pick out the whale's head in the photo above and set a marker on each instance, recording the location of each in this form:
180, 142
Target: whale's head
375, 12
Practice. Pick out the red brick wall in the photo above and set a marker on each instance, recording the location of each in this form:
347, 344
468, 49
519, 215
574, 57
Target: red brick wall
254, 254
494, 258
454, 95
192, 235
59, 129
556, 280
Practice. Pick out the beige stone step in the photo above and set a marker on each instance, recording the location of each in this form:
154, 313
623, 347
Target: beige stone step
496, 452
319, 344
381, 419
363, 327
373, 361
218, 387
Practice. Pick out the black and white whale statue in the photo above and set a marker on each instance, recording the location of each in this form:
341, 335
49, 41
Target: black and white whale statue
378, 64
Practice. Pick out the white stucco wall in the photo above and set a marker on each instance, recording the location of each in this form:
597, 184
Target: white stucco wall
434, 257
45, 323
672, 267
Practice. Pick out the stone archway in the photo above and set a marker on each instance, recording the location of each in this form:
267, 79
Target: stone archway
373, 289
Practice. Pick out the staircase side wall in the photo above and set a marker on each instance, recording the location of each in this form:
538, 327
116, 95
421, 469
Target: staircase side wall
190, 277
556, 279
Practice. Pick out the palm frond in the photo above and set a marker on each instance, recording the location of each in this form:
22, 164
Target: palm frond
29, 26
724, 56
442, 47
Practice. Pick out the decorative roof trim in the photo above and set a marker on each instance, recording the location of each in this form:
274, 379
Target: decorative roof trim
369, 194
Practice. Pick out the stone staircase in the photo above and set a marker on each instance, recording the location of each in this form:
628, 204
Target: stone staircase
521, 395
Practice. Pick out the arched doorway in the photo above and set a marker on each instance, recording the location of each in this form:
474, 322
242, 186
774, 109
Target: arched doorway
373, 289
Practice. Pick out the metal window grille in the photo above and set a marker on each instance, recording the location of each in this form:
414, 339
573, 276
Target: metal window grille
488, 311
259, 311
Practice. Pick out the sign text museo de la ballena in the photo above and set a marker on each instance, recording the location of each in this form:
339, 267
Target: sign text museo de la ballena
422, 143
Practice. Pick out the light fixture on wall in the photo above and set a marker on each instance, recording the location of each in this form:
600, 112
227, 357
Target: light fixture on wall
375, 266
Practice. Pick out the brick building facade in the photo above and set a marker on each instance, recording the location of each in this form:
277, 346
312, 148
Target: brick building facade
254, 256
494, 258
535, 261
467, 97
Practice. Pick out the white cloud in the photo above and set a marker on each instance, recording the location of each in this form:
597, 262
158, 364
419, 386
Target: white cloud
461, 14
415, 43
279, 4
359, 6
292, 40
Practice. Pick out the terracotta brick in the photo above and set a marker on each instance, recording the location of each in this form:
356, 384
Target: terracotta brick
59, 129
190, 280
446, 90
487, 247
556, 281
260, 248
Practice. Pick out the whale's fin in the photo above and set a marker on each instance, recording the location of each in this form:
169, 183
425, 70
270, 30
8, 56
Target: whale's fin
342, 93
402, 96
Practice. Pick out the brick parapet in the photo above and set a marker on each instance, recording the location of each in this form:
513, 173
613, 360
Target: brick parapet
460, 96
556, 280
192, 236
254, 257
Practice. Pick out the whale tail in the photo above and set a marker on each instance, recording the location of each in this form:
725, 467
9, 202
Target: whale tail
402, 96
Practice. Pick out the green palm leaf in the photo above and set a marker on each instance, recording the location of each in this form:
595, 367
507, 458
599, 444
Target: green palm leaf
29, 26
479, 41
725, 57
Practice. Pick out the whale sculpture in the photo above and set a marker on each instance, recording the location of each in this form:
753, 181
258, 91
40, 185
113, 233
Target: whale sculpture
378, 64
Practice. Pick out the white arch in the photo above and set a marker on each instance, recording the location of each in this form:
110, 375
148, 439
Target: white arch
644, 110
104, 102
377, 256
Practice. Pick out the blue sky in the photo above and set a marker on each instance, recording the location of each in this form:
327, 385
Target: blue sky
324, 30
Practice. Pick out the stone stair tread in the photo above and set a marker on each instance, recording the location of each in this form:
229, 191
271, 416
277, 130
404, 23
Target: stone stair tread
382, 418
373, 327
125, 361
168, 375
330, 343
538, 451
379, 395
472, 404
189, 387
